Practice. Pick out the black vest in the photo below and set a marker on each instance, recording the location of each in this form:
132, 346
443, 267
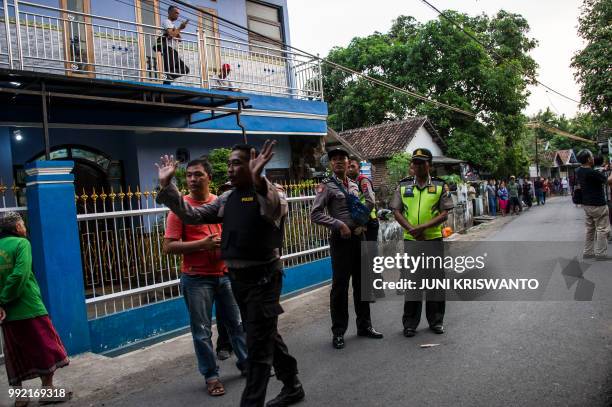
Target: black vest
246, 234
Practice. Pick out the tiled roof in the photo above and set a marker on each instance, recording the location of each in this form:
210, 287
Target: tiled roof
565, 156
386, 139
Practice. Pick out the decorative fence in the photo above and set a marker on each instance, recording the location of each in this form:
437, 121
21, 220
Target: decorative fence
49, 39
122, 236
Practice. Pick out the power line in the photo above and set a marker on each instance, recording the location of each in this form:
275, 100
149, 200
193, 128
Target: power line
223, 21
452, 21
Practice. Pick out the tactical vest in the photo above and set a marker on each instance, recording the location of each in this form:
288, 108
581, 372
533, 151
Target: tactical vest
246, 234
362, 195
421, 206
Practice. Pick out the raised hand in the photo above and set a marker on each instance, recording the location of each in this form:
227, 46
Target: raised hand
257, 164
166, 169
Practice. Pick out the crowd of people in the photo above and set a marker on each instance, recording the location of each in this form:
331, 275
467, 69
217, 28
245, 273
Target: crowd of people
512, 195
231, 248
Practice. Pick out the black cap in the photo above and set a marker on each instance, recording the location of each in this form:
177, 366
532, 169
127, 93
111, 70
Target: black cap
422, 154
337, 151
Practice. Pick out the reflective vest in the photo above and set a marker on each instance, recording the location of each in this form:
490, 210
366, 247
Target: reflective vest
421, 205
362, 195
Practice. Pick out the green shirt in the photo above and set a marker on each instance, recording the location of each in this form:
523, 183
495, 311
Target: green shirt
513, 190
19, 292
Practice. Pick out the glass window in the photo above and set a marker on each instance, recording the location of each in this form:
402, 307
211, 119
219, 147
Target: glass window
264, 20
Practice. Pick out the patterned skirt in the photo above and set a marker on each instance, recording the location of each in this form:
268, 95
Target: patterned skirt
32, 348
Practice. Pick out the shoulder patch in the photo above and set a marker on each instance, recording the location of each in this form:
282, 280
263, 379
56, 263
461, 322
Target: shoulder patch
320, 188
410, 178
437, 181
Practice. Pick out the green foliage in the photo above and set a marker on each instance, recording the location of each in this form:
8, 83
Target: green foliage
398, 167
452, 179
440, 61
218, 160
592, 64
584, 125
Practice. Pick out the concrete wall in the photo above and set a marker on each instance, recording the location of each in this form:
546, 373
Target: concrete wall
423, 139
152, 146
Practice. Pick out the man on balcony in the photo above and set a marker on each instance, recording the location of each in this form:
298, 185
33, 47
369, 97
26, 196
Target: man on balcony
204, 279
174, 67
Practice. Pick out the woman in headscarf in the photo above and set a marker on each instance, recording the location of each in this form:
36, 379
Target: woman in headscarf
32, 347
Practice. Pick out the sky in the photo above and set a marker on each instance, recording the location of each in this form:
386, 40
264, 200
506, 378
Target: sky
318, 25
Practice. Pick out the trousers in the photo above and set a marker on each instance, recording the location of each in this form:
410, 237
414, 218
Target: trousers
257, 290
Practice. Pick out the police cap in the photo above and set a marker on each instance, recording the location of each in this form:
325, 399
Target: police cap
337, 151
422, 154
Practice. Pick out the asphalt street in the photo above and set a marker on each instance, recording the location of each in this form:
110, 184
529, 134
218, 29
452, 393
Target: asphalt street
538, 353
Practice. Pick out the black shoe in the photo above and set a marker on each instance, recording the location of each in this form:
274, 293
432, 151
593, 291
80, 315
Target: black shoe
224, 354
288, 396
370, 333
338, 341
438, 329
409, 332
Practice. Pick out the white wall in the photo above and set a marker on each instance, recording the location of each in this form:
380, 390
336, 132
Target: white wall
422, 139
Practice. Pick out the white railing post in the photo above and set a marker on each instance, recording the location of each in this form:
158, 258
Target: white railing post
8, 33
320, 77
18, 29
202, 55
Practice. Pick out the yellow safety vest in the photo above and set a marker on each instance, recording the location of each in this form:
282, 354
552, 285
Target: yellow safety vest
421, 206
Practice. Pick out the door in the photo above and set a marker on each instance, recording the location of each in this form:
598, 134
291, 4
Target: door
78, 37
208, 27
147, 17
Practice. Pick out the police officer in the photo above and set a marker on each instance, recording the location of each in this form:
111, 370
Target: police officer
345, 246
420, 206
252, 213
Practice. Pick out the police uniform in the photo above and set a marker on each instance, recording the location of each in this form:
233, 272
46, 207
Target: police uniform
250, 245
345, 253
419, 204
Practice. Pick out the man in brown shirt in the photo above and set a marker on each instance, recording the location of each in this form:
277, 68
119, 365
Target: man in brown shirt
345, 247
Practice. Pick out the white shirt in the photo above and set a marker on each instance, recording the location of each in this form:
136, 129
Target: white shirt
168, 24
222, 83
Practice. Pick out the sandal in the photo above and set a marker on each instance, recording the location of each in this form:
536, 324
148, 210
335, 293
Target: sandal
215, 388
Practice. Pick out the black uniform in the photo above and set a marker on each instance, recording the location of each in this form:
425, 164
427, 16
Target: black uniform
345, 253
250, 245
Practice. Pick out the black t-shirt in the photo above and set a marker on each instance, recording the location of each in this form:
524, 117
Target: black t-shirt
538, 184
592, 184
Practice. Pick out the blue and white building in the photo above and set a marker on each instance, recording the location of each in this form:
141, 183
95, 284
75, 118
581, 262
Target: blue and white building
85, 114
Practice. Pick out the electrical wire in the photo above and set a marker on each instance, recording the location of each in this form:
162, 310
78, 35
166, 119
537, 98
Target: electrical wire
235, 26
488, 48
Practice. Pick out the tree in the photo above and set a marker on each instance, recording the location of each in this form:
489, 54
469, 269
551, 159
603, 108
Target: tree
438, 60
592, 64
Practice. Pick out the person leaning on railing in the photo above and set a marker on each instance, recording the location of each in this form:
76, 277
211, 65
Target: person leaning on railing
174, 67
32, 346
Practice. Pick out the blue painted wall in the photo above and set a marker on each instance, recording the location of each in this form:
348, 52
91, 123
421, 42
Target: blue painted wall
129, 327
6, 167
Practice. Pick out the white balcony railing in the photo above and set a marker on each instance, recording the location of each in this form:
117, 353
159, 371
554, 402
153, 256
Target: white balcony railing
40, 38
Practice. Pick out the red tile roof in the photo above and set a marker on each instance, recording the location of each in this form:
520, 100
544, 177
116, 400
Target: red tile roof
386, 139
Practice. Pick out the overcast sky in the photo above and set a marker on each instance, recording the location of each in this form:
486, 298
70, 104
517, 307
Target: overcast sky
318, 25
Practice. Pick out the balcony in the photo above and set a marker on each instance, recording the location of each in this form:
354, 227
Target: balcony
39, 38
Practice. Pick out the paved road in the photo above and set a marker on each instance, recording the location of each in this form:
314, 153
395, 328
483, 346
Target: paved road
494, 353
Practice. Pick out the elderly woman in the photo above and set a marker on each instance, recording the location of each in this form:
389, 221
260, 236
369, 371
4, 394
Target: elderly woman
32, 347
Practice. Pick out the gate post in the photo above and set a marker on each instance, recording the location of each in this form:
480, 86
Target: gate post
56, 250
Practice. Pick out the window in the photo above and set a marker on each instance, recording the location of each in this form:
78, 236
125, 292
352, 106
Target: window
147, 17
265, 20
78, 33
